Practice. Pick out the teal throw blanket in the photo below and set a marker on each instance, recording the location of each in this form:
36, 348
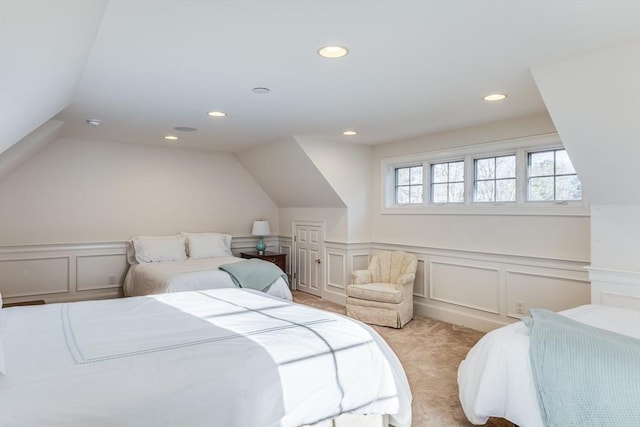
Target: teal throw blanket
254, 274
585, 376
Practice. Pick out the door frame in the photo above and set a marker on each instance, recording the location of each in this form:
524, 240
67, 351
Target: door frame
294, 251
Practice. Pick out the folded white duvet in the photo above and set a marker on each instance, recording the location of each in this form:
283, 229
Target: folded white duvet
227, 357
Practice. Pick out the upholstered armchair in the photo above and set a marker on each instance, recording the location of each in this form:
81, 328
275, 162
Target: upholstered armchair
383, 293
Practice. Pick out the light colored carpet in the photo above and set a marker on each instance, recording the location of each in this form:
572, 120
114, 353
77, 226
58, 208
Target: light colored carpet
430, 352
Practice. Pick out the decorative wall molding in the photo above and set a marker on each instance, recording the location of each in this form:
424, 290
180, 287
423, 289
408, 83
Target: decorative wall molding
465, 284
615, 287
421, 281
60, 272
336, 269
482, 294
480, 290
90, 271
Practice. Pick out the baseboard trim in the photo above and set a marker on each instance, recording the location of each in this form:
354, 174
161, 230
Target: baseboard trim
334, 297
457, 317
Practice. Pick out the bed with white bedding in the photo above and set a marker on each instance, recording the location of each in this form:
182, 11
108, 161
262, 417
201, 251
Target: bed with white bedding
188, 275
227, 357
186, 262
496, 379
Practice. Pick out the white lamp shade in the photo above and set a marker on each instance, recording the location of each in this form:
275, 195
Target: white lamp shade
261, 228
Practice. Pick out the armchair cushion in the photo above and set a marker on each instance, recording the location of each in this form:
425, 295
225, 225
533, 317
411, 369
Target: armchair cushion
359, 277
406, 278
382, 292
388, 267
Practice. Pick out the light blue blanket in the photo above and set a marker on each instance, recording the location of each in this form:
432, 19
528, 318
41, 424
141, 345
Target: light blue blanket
254, 274
585, 376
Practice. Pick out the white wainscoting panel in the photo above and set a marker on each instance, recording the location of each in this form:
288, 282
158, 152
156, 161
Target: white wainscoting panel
97, 271
360, 261
336, 269
340, 260
614, 287
420, 284
466, 285
532, 290
62, 272
34, 276
479, 290
286, 249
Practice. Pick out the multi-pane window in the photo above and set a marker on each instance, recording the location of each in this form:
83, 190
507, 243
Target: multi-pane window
495, 179
552, 177
408, 185
530, 176
447, 182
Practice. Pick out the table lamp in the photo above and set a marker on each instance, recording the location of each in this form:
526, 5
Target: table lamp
261, 229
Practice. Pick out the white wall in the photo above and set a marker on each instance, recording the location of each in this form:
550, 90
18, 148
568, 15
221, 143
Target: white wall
287, 174
348, 168
616, 237
534, 236
335, 221
89, 191
594, 99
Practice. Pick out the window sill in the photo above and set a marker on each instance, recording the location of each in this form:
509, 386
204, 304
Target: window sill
530, 209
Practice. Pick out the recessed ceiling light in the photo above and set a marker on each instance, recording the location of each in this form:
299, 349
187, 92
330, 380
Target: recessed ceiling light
261, 90
93, 122
494, 97
333, 51
171, 137
349, 132
217, 113
185, 129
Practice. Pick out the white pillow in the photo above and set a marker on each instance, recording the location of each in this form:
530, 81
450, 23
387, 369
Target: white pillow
2, 368
131, 253
159, 248
208, 245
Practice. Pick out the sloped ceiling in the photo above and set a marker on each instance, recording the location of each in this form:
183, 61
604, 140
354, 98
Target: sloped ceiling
44, 47
594, 101
288, 176
29, 146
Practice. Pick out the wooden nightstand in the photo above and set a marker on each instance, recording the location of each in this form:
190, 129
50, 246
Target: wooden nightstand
278, 259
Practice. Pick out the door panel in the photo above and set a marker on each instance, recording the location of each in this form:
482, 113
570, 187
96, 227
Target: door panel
309, 264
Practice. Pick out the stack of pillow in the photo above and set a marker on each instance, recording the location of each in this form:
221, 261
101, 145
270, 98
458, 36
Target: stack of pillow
145, 249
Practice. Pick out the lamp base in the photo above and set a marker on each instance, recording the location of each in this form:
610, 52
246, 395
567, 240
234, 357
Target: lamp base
261, 246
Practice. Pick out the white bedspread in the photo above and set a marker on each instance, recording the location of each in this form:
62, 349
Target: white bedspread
226, 357
495, 379
188, 275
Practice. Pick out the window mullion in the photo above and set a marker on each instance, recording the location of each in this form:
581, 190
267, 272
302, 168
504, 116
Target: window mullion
469, 178
522, 167
426, 183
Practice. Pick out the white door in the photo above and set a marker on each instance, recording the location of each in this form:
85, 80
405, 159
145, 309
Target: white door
308, 247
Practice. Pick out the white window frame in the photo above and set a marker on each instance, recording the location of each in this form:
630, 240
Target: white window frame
428, 166
520, 147
412, 165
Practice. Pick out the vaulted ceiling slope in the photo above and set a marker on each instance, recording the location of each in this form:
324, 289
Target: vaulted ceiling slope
413, 68
44, 47
594, 100
287, 174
